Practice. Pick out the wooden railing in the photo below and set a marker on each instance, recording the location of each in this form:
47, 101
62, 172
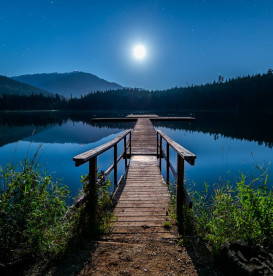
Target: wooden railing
182, 197
91, 157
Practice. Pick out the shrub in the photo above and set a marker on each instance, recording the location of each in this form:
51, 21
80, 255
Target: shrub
35, 222
102, 205
243, 212
32, 208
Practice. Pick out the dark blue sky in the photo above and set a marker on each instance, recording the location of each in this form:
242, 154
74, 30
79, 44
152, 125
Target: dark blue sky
188, 42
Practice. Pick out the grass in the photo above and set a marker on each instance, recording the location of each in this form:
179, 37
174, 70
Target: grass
167, 224
35, 221
243, 211
103, 204
32, 209
231, 213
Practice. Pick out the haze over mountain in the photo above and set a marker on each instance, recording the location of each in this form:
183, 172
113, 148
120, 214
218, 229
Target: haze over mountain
74, 83
10, 86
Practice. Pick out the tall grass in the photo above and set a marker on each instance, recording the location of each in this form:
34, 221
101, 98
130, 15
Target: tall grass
32, 208
35, 220
100, 204
231, 213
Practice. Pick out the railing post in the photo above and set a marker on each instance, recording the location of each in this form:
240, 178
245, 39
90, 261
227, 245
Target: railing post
157, 144
125, 153
167, 163
115, 165
130, 143
180, 189
160, 151
88, 217
92, 178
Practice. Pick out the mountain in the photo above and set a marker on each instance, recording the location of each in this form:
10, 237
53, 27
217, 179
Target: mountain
74, 83
10, 86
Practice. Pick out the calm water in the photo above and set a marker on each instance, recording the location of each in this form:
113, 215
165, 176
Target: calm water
225, 144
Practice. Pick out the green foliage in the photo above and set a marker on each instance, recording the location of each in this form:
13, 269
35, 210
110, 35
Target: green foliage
244, 212
167, 224
35, 220
102, 206
32, 209
240, 94
172, 207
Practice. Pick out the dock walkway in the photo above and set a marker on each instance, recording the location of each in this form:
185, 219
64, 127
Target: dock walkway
142, 206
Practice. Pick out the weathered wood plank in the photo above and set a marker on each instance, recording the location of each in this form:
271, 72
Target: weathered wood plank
144, 138
136, 117
143, 200
143, 204
184, 153
84, 157
139, 229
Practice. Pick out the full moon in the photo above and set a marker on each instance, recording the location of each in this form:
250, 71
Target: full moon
139, 52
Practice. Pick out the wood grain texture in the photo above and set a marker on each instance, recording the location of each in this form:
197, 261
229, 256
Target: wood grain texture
143, 204
143, 139
141, 195
133, 118
184, 153
86, 156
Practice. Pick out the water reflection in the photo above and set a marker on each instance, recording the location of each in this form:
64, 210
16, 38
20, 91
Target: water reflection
54, 127
256, 127
57, 138
225, 144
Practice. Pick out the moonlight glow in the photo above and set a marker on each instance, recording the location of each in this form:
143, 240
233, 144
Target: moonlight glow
139, 52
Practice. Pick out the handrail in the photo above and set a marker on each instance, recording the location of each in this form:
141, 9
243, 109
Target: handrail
86, 156
182, 197
184, 153
91, 157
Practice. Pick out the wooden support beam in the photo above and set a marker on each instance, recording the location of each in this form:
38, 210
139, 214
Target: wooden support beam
92, 173
168, 163
86, 156
184, 153
180, 189
130, 142
160, 152
125, 152
115, 166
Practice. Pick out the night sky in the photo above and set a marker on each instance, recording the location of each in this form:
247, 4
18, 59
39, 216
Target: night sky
188, 42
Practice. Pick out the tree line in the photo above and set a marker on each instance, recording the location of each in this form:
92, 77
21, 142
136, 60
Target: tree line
247, 94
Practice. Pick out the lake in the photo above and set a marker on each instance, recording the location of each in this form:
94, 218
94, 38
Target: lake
226, 145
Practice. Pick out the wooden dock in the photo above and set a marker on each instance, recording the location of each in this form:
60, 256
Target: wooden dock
143, 204
132, 118
142, 195
144, 138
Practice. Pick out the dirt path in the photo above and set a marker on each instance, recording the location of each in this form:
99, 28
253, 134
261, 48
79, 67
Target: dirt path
132, 255
150, 257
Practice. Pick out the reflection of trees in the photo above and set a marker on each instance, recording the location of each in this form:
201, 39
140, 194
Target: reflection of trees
121, 125
32, 118
10, 134
16, 126
254, 127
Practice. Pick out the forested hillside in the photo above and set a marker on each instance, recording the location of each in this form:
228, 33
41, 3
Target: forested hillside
246, 94
9, 86
68, 84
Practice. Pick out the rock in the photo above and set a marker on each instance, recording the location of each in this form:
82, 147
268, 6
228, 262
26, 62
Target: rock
125, 273
244, 259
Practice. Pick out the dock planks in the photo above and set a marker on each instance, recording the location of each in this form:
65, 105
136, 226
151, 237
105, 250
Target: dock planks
144, 138
143, 204
152, 117
141, 196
